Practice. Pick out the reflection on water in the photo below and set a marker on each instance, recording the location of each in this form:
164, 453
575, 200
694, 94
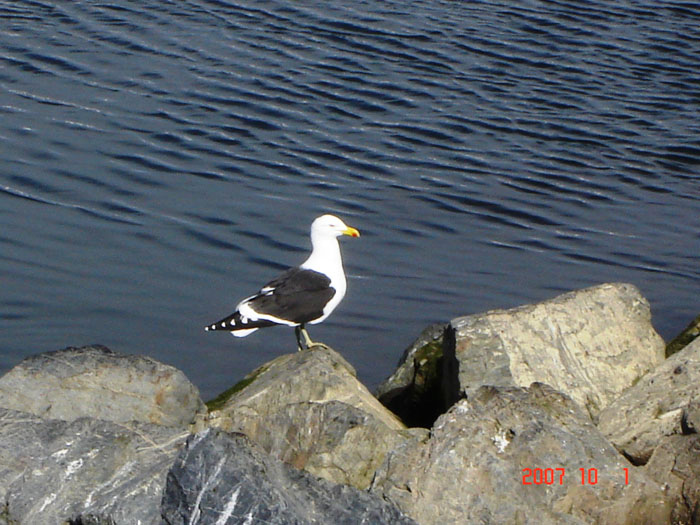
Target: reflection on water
161, 161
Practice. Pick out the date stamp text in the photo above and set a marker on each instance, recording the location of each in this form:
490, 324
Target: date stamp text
555, 476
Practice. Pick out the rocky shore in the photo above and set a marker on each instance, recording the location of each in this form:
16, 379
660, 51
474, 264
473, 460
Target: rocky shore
564, 412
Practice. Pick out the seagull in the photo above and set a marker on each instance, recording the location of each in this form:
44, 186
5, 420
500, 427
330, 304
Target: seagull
304, 294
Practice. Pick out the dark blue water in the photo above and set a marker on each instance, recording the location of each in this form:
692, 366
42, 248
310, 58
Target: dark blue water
161, 160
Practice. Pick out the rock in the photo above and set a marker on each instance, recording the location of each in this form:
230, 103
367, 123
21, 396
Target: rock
474, 467
93, 381
663, 403
684, 338
414, 392
675, 464
691, 418
221, 478
318, 375
23, 438
590, 344
309, 409
332, 440
93, 520
86, 471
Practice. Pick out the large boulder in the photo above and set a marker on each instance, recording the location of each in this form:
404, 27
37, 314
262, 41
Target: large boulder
516, 455
590, 344
318, 375
93, 381
222, 478
331, 440
87, 471
664, 402
309, 409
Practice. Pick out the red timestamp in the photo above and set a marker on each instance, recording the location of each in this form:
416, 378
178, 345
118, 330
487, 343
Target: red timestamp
555, 476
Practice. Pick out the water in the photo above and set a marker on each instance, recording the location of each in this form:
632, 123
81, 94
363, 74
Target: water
161, 160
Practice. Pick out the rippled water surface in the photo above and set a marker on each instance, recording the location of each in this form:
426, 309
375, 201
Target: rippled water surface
161, 160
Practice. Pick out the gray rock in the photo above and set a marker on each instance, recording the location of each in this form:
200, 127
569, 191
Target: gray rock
472, 468
676, 464
691, 418
93, 381
318, 375
93, 520
309, 409
332, 440
663, 403
414, 391
590, 344
23, 439
221, 478
85, 471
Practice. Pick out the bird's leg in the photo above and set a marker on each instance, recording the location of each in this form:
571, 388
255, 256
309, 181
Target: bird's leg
309, 342
307, 339
297, 332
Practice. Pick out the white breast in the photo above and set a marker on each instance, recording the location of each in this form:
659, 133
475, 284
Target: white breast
325, 258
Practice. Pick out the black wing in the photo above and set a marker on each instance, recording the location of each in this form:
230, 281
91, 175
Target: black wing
297, 296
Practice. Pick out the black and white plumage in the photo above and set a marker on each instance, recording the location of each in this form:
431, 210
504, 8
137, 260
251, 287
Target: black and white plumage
305, 294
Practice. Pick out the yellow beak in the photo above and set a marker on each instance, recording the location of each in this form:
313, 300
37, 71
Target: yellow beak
352, 232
